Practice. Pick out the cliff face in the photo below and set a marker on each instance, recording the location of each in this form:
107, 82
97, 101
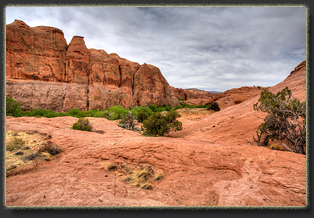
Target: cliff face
42, 71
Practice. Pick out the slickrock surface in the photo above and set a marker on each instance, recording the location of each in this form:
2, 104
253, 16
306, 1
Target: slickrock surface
208, 164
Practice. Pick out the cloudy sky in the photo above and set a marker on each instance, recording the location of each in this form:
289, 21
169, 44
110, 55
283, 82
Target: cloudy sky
209, 48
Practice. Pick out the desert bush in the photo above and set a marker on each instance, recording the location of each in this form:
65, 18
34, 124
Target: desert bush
12, 107
82, 124
31, 156
159, 125
119, 110
183, 104
50, 148
213, 106
101, 114
136, 110
15, 144
74, 113
112, 116
153, 107
285, 121
178, 107
90, 113
127, 121
142, 116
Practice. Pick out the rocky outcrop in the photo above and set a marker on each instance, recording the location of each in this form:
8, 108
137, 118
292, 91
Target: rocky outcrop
187, 94
37, 53
236, 96
103, 80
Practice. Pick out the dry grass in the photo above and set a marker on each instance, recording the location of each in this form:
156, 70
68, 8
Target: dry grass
23, 149
109, 166
275, 147
139, 176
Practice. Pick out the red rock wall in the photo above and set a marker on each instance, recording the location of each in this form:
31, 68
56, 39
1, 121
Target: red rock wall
77, 77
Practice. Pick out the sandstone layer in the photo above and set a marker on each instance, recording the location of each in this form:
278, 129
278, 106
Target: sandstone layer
40, 57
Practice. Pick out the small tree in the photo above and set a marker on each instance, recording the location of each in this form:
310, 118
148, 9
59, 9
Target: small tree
285, 121
82, 124
159, 125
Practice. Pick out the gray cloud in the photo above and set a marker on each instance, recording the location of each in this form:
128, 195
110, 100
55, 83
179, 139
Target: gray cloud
211, 48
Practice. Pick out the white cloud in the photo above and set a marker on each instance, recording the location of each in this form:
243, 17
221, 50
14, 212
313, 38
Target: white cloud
209, 47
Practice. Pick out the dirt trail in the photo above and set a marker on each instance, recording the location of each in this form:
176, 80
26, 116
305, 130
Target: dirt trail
206, 164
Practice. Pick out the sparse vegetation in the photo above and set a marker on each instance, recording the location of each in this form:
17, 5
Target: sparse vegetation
82, 124
285, 122
26, 148
51, 149
275, 147
15, 144
140, 176
159, 125
127, 121
141, 113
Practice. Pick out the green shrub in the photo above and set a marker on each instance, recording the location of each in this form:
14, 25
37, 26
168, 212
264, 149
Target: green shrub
91, 113
159, 125
119, 110
182, 104
101, 114
82, 124
136, 110
213, 106
112, 116
74, 113
178, 107
153, 107
12, 107
160, 109
142, 116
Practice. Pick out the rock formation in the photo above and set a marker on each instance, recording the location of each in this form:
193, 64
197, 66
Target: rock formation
73, 76
236, 96
187, 94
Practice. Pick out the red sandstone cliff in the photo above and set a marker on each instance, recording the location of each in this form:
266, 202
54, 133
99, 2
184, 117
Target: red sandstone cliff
78, 77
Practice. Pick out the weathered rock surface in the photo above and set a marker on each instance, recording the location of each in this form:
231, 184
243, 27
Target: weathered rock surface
187, 94
35, 53
208, 164
238, 122
42, 53
236, 96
